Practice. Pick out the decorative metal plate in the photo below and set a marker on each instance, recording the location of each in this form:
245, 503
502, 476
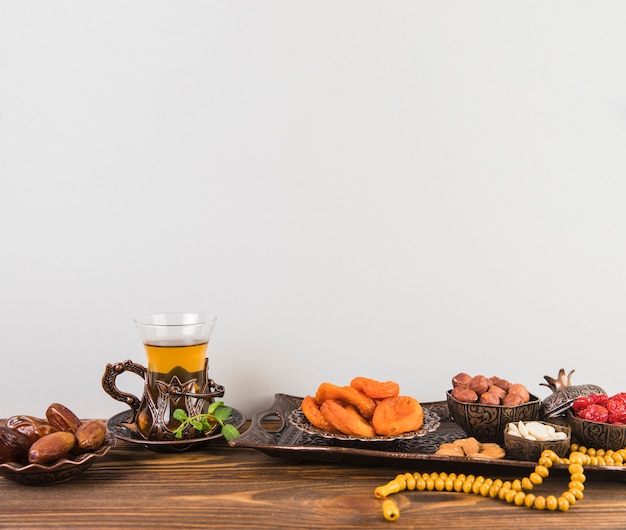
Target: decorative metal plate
124, 429
55, 472
270, 432
299, 421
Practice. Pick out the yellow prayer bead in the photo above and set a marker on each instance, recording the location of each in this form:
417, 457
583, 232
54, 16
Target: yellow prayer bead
552, 503
550, 454
484, 489
391, 512
562, 504
545, 462
529, 500
575, 468
577, 493
576, 484
518, 500
569, 496
527, 484
540, 502
578, 477
576, 458
510, 495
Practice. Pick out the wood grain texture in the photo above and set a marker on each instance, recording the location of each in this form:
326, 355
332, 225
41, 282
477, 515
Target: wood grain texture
224, 487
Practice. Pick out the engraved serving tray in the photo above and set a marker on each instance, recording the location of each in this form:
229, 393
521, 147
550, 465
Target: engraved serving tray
413, 454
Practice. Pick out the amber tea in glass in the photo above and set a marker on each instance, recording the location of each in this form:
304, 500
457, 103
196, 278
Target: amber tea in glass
176, 376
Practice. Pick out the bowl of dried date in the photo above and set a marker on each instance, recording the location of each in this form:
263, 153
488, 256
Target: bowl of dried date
527, 440
483, 406
599, 421
37, 452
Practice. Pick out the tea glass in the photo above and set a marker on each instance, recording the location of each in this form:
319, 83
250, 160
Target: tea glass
176, 377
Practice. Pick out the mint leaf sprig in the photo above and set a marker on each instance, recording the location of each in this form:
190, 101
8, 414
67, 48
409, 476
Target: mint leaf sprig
216, 414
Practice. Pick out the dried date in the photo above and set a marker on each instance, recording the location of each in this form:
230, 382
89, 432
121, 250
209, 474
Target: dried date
13, 446
51, 447
90, 435
62, 418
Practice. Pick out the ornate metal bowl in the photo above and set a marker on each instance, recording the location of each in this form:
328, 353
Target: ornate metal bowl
597, 435
486, 423
60, 471
519, 448
564, 394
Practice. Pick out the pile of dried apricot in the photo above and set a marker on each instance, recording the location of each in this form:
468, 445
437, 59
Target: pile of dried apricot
365, 408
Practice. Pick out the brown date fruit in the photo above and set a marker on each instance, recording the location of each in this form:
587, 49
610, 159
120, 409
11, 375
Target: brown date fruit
90, 435
13, 446
45, 430
51, 447
27, 425
62, 418
465, 395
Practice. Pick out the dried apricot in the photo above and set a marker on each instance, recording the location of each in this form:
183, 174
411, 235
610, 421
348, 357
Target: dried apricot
375, 389
346, 419
347, 394
397, 415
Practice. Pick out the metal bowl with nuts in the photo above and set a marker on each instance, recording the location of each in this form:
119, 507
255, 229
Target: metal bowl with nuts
527, 440
487, 422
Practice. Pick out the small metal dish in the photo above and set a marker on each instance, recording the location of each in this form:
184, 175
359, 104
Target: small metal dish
597, 435
486, 423
520, 448
60, 471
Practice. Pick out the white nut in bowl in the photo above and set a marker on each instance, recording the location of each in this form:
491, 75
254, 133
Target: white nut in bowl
540, 436
534, 430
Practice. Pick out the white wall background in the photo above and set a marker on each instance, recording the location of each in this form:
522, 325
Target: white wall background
401, 190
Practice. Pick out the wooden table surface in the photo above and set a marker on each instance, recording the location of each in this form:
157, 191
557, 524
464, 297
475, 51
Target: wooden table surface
225, 487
